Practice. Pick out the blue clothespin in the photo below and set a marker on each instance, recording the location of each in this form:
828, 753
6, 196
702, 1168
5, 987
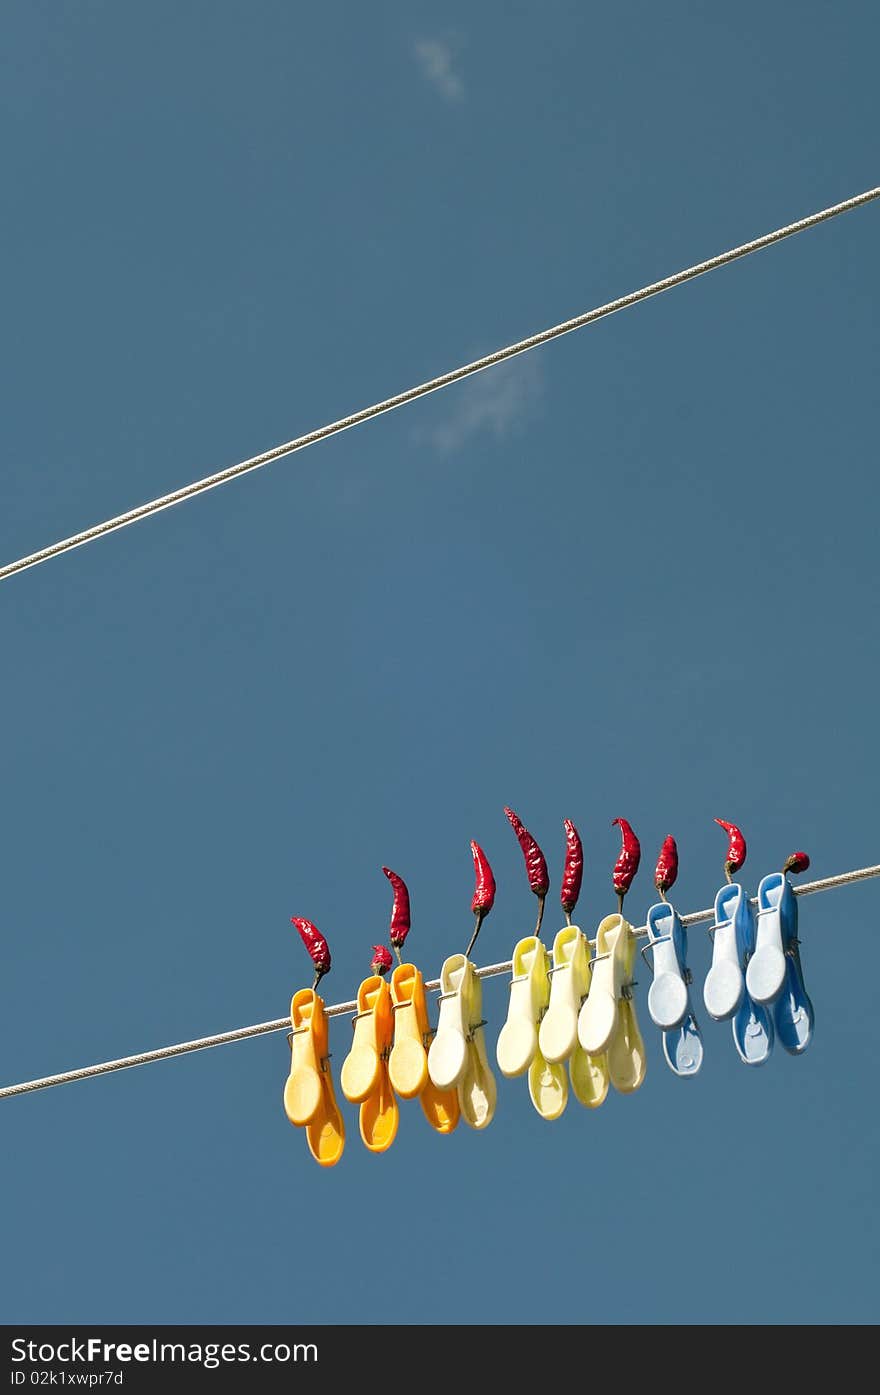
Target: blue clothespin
669, 999
792, 1009
753, 1034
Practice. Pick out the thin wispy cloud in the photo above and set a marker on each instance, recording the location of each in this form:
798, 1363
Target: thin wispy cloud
436, 61
497, 402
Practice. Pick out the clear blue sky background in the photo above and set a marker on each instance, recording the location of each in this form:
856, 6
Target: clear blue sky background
634, 573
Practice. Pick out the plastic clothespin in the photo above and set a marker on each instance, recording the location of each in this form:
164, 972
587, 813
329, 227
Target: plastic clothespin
793, 1014
627, 1058
752, 1023
364, 1076
517, 1049
457, 1058
558, 1032
597, 1018
408, 1061
765, 971
529, 997
309, 1097
733, 929
607, 1020
669, 998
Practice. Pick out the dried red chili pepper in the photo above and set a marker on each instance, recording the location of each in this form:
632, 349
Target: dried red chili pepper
536, 863
666, 870
628, 860
573, 870
400, 919
798, 862
736, 848
484, 890
316, 945
382, 960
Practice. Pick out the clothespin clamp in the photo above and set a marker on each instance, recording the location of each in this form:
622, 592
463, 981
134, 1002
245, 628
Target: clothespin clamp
457, 1058
412, 1033
309, 1097
517, 1049
569, 988
793, 1014
765, 971
752, 1023
598, 1015
607, 1020
627, 1058
669, 997
529, 997
408, 1062
364, 1076
732, 935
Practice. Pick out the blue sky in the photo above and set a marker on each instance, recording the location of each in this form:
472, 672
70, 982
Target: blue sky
632, 573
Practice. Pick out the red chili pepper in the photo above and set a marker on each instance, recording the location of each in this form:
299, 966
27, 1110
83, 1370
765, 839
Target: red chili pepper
798, 862
536, 864
484, 891
400, 920
627, 863
316, 945
382, 960
736, 847
574, 868
666, 870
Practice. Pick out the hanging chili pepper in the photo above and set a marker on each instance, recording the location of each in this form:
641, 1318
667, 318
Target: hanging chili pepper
627, 863
316, 945
798, 862
573, 871
400, 920
666, 870
484, 891
382, 960
736, 848
536, 864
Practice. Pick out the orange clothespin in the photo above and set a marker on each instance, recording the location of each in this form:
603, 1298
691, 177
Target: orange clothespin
309, 1096
408, 1061
364, 1076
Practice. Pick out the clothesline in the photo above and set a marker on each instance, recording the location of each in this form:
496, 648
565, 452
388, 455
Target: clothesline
338, 1009
623, 302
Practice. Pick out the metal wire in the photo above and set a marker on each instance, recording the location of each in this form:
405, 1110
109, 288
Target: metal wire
282, 1024
188, 491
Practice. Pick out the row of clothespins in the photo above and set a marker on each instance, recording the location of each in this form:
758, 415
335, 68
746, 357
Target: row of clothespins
571, 1024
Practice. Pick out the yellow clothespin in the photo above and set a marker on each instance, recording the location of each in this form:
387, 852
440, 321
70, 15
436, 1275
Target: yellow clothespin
518, 1049
457, 1058
364, 1076
607, 1020
627, 1060
309, 1097
529, 997
597, 1018
558, 1033
408, 1061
